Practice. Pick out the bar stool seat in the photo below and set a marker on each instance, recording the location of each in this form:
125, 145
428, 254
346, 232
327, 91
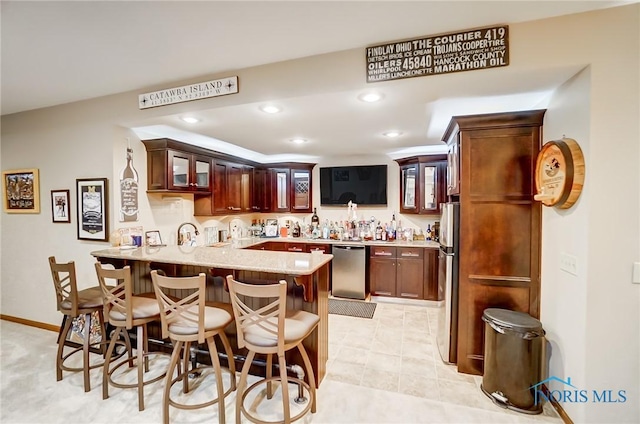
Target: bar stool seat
189, 320
267, 328
125, 312
74, 303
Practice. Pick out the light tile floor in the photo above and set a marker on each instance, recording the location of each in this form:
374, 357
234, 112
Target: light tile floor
380, 370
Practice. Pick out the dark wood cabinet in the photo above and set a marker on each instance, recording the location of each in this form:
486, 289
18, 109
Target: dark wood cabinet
300, 190
247, 202
397, 271
261, 190
291, 189
224, 184
422, 184
500, 235
410, 272
173, 167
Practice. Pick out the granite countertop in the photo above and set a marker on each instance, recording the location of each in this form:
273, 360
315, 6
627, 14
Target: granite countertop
252, 241
228, 256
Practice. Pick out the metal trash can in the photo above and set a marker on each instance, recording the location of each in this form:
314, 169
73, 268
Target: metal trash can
513, 343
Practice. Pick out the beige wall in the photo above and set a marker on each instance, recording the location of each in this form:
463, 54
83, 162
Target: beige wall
593, 318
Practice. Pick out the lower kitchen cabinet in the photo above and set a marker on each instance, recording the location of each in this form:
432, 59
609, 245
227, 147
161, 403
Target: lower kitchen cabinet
382, 276
410, 272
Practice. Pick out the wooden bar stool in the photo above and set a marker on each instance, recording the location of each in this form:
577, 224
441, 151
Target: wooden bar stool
74, 303
186, 321
266, 328
126, 311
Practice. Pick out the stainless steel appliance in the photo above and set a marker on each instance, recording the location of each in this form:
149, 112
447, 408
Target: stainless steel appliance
448, 259
348, 271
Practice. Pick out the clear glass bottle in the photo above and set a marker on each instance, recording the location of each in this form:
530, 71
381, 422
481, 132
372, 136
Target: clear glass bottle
129, 190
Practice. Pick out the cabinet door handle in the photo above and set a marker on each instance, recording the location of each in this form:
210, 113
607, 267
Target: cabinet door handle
382, 253
410, 255
235, 209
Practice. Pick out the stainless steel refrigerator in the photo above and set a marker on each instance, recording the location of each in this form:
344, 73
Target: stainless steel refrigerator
448, 260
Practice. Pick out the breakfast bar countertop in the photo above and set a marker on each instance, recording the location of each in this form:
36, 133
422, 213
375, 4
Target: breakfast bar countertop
226, 256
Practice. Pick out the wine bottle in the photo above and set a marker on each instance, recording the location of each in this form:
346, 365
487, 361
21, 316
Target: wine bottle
129, 190
315, 221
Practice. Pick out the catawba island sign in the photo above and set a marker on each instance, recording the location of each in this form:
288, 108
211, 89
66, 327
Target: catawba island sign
439, 54
201, 90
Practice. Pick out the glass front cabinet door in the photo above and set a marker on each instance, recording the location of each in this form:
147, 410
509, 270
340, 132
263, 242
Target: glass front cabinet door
408, 188
281, 192
422, 184
300, 190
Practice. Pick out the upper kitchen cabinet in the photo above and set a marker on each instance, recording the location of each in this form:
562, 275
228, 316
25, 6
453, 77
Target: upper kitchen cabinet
422, 184
262, 188
291, 189
301, 190
177, 167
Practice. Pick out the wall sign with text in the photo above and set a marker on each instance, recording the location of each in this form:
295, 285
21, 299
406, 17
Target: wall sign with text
186, 93
440, 54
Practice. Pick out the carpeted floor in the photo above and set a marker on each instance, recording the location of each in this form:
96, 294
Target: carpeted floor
352, 308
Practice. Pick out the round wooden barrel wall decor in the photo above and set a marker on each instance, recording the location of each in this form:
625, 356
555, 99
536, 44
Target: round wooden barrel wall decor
559, 173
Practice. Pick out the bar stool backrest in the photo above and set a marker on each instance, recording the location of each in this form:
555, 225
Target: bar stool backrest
259, 310
66, 286
117, 297
188, 311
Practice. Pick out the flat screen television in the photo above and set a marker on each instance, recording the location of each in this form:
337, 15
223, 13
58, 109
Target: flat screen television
364, 185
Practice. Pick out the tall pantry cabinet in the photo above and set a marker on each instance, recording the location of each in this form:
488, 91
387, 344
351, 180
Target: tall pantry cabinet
491, 166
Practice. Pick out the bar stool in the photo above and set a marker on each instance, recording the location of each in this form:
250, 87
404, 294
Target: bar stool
186, 321
126, 311
74, 303
268, 329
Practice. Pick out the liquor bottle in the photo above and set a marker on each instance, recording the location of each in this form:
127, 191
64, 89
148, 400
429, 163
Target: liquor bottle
379, 231
394, 227
296, 229
428, 232
129, 190
315, 221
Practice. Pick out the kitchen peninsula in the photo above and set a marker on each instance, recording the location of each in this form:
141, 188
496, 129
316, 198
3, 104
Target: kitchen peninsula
307, 275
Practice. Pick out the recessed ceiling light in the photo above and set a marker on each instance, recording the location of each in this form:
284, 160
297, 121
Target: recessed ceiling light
392, 134
298, 140
370, 97
270, 108
190, 119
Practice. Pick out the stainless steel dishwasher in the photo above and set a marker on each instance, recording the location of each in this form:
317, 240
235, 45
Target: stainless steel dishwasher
348, 271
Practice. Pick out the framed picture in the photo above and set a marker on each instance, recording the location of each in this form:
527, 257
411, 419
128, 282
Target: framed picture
60, 206
21, 191
92, 209
153, 238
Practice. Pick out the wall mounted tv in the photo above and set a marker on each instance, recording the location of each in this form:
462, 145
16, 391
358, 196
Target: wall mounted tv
364, 185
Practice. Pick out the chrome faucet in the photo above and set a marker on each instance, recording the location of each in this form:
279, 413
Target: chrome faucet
181, 240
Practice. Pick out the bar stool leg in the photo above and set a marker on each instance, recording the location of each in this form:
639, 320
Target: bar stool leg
231, 359
141, 362
85, 351
186, 355
61, 340
105, 368
215, 361
310, 375
242, 384
268, 375
285, 387
175, 358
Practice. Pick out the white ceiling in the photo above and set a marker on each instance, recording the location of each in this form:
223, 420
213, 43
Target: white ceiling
60, 52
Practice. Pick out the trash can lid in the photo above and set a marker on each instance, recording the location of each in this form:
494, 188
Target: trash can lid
515, 321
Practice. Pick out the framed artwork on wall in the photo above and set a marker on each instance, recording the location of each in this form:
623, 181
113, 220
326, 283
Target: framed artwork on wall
60, 206
92, 209
21, 191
